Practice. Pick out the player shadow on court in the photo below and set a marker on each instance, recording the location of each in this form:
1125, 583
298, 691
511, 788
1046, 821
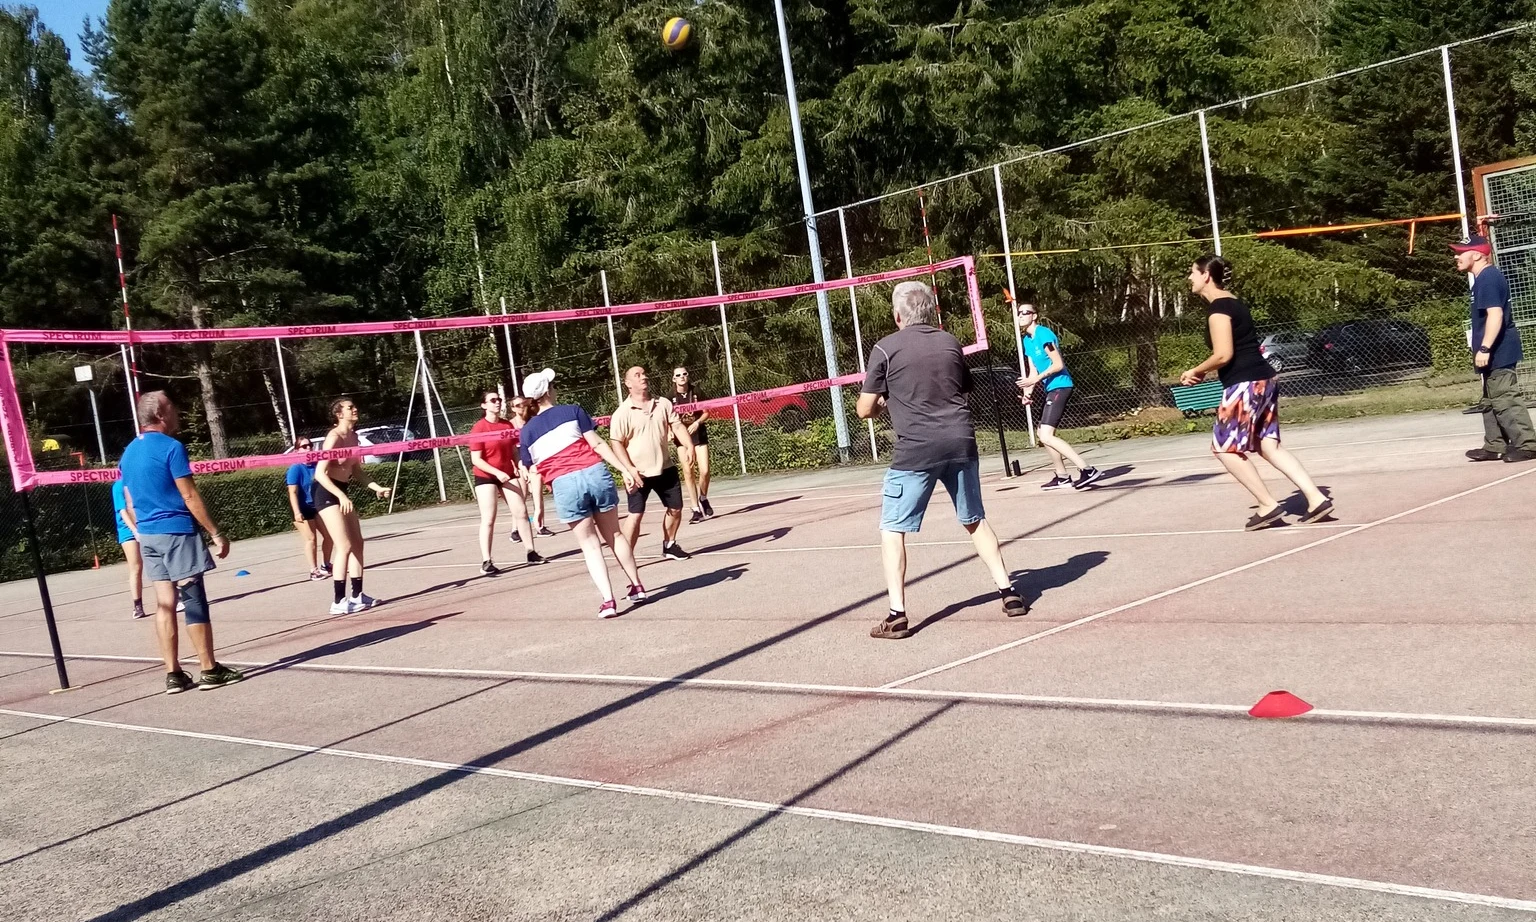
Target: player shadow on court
1032, 584
772, 535
303, 580
345, 644
1108, 474
260, 857
756, 506
697, 581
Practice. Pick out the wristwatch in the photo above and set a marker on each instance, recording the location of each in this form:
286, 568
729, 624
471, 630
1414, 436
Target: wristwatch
1484, 349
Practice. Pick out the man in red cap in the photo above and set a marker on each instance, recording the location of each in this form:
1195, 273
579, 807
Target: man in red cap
1508, 434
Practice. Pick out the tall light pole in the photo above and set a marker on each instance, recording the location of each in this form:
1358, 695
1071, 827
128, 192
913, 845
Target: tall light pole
839, 415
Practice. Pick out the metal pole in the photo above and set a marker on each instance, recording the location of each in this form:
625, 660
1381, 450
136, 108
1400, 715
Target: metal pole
442, 408
1450, 109
42, 589
1013, 292
101, 447
853, 302
426, 402
133, 400
730, 366
824, 312
506, 332
1210, 182
613, 348
282, 375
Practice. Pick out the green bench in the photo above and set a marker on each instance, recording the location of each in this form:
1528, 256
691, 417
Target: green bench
1193, 401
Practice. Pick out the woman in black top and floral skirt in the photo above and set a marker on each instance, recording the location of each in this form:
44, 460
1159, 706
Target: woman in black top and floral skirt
1249, 416
684, 393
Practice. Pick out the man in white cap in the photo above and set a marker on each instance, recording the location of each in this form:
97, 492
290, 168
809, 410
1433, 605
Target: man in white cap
1507, 431
562, 446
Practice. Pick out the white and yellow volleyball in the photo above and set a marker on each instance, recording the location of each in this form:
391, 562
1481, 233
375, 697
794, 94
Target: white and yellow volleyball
676, 32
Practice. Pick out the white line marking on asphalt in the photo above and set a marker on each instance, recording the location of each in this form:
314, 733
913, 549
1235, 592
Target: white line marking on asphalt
838, 816
1032, 638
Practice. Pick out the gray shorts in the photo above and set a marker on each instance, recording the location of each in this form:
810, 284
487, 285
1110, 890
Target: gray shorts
173, 558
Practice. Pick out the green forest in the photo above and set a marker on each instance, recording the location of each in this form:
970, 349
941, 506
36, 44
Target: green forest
311, 161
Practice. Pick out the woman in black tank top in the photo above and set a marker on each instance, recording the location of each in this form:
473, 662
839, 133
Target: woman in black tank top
1248, 419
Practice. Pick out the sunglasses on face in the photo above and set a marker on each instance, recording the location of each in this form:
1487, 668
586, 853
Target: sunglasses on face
304, 446
493, 400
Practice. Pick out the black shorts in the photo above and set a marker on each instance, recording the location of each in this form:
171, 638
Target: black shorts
700, 436
321, 497
308, 513
667, 485
1055, 406
480, 478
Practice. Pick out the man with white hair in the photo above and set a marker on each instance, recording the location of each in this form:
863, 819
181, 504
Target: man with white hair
919, 375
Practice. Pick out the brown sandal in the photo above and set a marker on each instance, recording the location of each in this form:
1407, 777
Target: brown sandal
891, 629
1014, 604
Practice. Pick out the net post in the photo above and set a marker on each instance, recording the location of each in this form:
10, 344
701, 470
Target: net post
853, 303
133, 400
426, 403
730, 365
1210, 181
997, 408
448, 424
1013, 291
506, 333
613, 348
42, 590
282, 375
1450, 111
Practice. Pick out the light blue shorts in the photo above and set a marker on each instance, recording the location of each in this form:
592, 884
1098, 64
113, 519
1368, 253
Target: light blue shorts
584, 493
906, 495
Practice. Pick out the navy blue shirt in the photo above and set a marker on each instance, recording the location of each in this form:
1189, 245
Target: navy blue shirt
150, 466
1491, 289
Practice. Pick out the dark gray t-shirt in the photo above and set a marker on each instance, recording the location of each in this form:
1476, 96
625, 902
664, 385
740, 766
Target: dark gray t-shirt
921, 373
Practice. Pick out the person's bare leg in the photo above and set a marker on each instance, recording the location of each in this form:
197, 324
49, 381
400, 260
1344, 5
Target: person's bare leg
327, 546
990, 552
1289, 465
623, 550
592, 553
202, 643
1243, 471
355, 540
691, 490
702, 453
341, 540
307, 539
670, 523
1048, 441
485, 498
893, 553
135, 570
630, 528
512, 492
165, 624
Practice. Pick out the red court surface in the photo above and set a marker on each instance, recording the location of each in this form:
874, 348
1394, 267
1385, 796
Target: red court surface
739, 748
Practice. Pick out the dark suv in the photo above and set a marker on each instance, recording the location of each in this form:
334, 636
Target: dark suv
1359, 346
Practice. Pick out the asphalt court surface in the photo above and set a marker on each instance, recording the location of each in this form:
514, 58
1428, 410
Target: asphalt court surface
739, 748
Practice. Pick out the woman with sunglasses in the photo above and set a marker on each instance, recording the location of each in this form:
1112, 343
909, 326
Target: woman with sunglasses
496, 476
684, 393
306, 519
329, 497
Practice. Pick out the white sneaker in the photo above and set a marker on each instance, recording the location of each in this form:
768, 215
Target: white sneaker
341, 608
361, 602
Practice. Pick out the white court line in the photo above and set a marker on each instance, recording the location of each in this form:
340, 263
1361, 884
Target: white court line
1465, 721
916, 676
839, 816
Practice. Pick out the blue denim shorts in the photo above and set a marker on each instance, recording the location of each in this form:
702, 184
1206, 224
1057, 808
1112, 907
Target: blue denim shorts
906, 495
584, 493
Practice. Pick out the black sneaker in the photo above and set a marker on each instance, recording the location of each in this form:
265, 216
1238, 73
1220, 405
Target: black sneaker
1483, 454
696, 518
674, 551
709, 511
1516, 455
219, 676
138, 610
1261, 520
177, 682
534, 557
515, 538
490, 569
1085, 477
1057, 483
545, 532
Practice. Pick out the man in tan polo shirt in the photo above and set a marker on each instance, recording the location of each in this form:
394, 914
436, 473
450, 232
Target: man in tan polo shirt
640, 432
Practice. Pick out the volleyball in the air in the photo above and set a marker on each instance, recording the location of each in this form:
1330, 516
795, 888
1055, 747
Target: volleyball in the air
676, 32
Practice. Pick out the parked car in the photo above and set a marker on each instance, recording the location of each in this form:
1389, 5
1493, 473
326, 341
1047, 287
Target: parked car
1287, 351
378, 435
1358, 346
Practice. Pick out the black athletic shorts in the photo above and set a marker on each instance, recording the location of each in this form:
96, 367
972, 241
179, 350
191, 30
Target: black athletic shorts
1055, 405
322, 497
700, 436
667, 485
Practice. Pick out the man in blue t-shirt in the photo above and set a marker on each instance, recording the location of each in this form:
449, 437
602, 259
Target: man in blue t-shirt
1507, 430
1043, 351
166, 508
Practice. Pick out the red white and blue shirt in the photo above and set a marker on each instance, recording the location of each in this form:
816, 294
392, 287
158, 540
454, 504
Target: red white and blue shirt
554, 442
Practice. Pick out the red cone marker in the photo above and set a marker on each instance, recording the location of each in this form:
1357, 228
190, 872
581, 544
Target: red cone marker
1279, 704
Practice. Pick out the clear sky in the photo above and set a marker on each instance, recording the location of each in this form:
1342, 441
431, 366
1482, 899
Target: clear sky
65, 17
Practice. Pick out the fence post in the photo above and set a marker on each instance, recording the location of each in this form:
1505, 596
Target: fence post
426, 402
282, 375
730, 366
853, 302
1450, 111
1013, 293
1210, 182
613, 348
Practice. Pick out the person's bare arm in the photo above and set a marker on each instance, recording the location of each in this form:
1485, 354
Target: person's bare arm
1220, 326
194, 501
293, 502
684, 439
606, 451
1029, 381
478, 462
1493, 324
869, 405
129, 517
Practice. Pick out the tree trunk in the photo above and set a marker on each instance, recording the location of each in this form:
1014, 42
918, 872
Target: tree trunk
202, 353
1146, 324
277, 409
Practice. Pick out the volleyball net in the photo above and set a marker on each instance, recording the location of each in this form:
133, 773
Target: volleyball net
418, 382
